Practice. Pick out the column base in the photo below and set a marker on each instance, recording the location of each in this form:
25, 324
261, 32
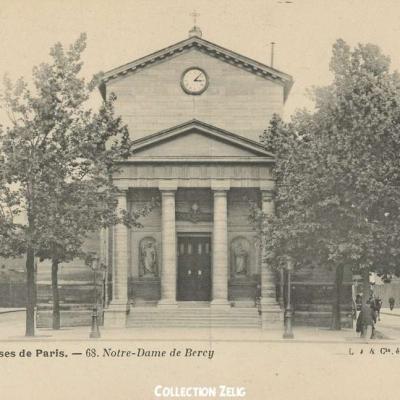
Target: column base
220, 303
115, 316
271, 320
271, 314
269, 304
167, 303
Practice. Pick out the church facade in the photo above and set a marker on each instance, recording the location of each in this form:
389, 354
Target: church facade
195, 112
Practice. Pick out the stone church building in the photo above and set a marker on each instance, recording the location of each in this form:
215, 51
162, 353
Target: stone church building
195, 112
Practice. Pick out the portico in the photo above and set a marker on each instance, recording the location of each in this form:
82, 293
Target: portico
200, 230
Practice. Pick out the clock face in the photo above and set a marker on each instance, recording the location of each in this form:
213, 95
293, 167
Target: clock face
194, 81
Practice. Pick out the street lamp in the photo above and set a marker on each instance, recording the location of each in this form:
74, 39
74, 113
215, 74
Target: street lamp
288, 316
95, 266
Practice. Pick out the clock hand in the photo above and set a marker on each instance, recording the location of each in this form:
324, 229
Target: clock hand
197, 78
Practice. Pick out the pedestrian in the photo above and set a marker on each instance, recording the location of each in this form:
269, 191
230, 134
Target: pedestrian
378, 305
366, 321
391, 303
359, 302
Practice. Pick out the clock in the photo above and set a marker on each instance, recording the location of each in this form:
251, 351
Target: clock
194, 81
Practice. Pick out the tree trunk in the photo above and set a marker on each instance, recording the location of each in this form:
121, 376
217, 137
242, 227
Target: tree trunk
366, 286
56, 295
30, 293
337, 298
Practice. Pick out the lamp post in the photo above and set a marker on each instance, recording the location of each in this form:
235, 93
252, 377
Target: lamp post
288, 316
95, 266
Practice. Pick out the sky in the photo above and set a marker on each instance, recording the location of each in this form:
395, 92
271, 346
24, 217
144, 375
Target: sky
121, 31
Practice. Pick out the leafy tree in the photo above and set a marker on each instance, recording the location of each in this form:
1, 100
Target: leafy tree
337, 171
57, 163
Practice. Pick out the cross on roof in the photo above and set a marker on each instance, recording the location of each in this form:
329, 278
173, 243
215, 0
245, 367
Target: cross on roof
194, 14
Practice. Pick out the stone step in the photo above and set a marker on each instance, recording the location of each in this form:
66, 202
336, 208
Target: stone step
147, 317
191, 317
194, 321
234, 311
156, 315
192, 325
206, 320
188, 317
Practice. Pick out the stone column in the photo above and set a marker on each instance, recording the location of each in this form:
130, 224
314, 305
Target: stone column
220, 246
116, 314
168, 269
270, 309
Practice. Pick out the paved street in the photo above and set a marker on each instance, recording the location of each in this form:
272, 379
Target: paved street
389, 323
11, 320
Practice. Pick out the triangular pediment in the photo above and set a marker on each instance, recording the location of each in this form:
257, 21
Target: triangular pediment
206, 47
196, 140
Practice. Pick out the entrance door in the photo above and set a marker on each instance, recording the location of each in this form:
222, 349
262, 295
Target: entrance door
194, 268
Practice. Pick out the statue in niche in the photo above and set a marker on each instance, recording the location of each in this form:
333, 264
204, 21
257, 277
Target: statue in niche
148, 258
240, 257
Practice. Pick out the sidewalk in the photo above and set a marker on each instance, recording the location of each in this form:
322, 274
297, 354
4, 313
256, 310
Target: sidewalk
16, 332
12, 328
301, 335
395, 312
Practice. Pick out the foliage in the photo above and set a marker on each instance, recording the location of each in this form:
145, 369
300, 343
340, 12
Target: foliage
58, 157
337, 170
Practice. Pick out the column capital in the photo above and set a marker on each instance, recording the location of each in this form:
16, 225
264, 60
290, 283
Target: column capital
167, 194
267, 185
122, 199
267, 195
121, 185
122, 192
219, 185
220, 194
170, 185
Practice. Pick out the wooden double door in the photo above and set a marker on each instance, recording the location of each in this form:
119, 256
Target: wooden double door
194, 268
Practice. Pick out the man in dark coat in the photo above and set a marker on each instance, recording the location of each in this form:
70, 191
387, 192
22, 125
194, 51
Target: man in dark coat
391, 303
378, 305
366, 321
